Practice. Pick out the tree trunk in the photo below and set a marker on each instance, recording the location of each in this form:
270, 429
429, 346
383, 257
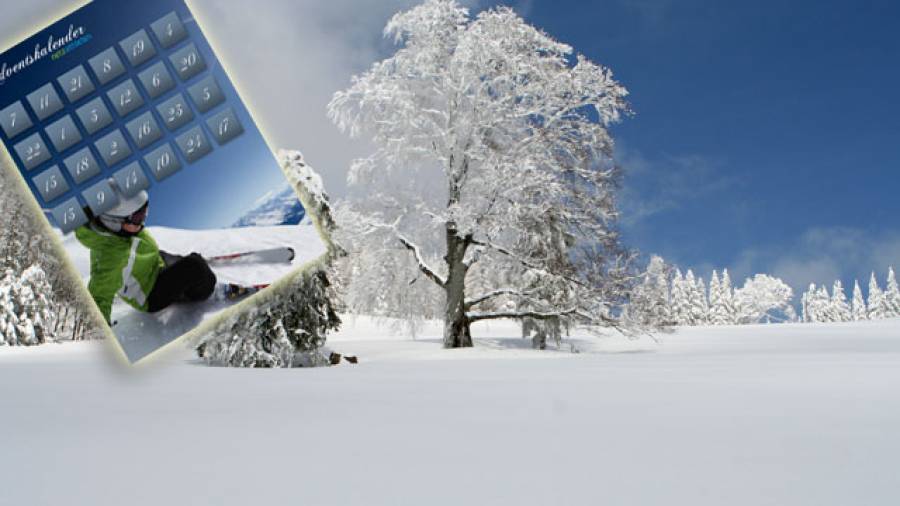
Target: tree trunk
457, 333
61, 322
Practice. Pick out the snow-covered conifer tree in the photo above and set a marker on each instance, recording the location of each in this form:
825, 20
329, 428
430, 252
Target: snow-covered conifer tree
697, 302
806, 304
482, 125
816, 304
728, 309
858, 310
689, 286
825, 309
679, 309
649, 304
891, 299
876, 299
721, 300
839, 307
715, 298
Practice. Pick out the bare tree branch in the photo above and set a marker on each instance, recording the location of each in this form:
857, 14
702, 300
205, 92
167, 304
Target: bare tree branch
526, 263
537, 315
496, 293
423, 266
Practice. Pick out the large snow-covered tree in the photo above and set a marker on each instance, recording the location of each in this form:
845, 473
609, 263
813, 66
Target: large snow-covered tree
490, 193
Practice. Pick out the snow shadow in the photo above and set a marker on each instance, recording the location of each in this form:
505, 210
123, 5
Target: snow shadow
567, 346
140, 334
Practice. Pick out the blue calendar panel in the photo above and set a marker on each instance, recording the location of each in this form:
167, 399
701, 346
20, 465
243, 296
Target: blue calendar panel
122, 94
125, 101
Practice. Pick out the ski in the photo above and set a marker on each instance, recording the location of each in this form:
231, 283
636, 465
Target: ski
232, 292
266, 256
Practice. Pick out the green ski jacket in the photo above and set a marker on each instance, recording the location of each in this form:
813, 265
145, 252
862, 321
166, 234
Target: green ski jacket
127, 266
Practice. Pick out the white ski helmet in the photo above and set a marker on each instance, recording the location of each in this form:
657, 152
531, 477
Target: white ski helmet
115, 217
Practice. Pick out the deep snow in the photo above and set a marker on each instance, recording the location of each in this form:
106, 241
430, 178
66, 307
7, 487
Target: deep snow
756, 415
141, 334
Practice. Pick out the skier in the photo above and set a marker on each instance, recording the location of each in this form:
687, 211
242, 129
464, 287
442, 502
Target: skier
126, 261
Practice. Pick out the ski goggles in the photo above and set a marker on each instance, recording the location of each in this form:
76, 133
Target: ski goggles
136, 218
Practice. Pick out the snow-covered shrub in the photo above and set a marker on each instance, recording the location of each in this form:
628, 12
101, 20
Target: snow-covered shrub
286, 329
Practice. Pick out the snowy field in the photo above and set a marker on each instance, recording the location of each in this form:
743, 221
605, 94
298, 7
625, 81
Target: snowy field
756, 415
141, 334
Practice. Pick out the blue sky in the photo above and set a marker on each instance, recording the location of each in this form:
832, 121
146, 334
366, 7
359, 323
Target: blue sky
766, 134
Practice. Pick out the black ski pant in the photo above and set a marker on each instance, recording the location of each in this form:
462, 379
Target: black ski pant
184, 279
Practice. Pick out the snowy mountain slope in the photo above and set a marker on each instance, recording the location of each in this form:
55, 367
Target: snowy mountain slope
280, 207
141, 333
782, 414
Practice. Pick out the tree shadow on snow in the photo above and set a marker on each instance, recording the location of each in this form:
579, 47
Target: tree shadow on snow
567, 346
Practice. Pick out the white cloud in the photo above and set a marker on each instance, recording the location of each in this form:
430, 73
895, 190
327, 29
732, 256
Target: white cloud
289, 58
22, 19
651, 14
667, 182
523, 8
823, 254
